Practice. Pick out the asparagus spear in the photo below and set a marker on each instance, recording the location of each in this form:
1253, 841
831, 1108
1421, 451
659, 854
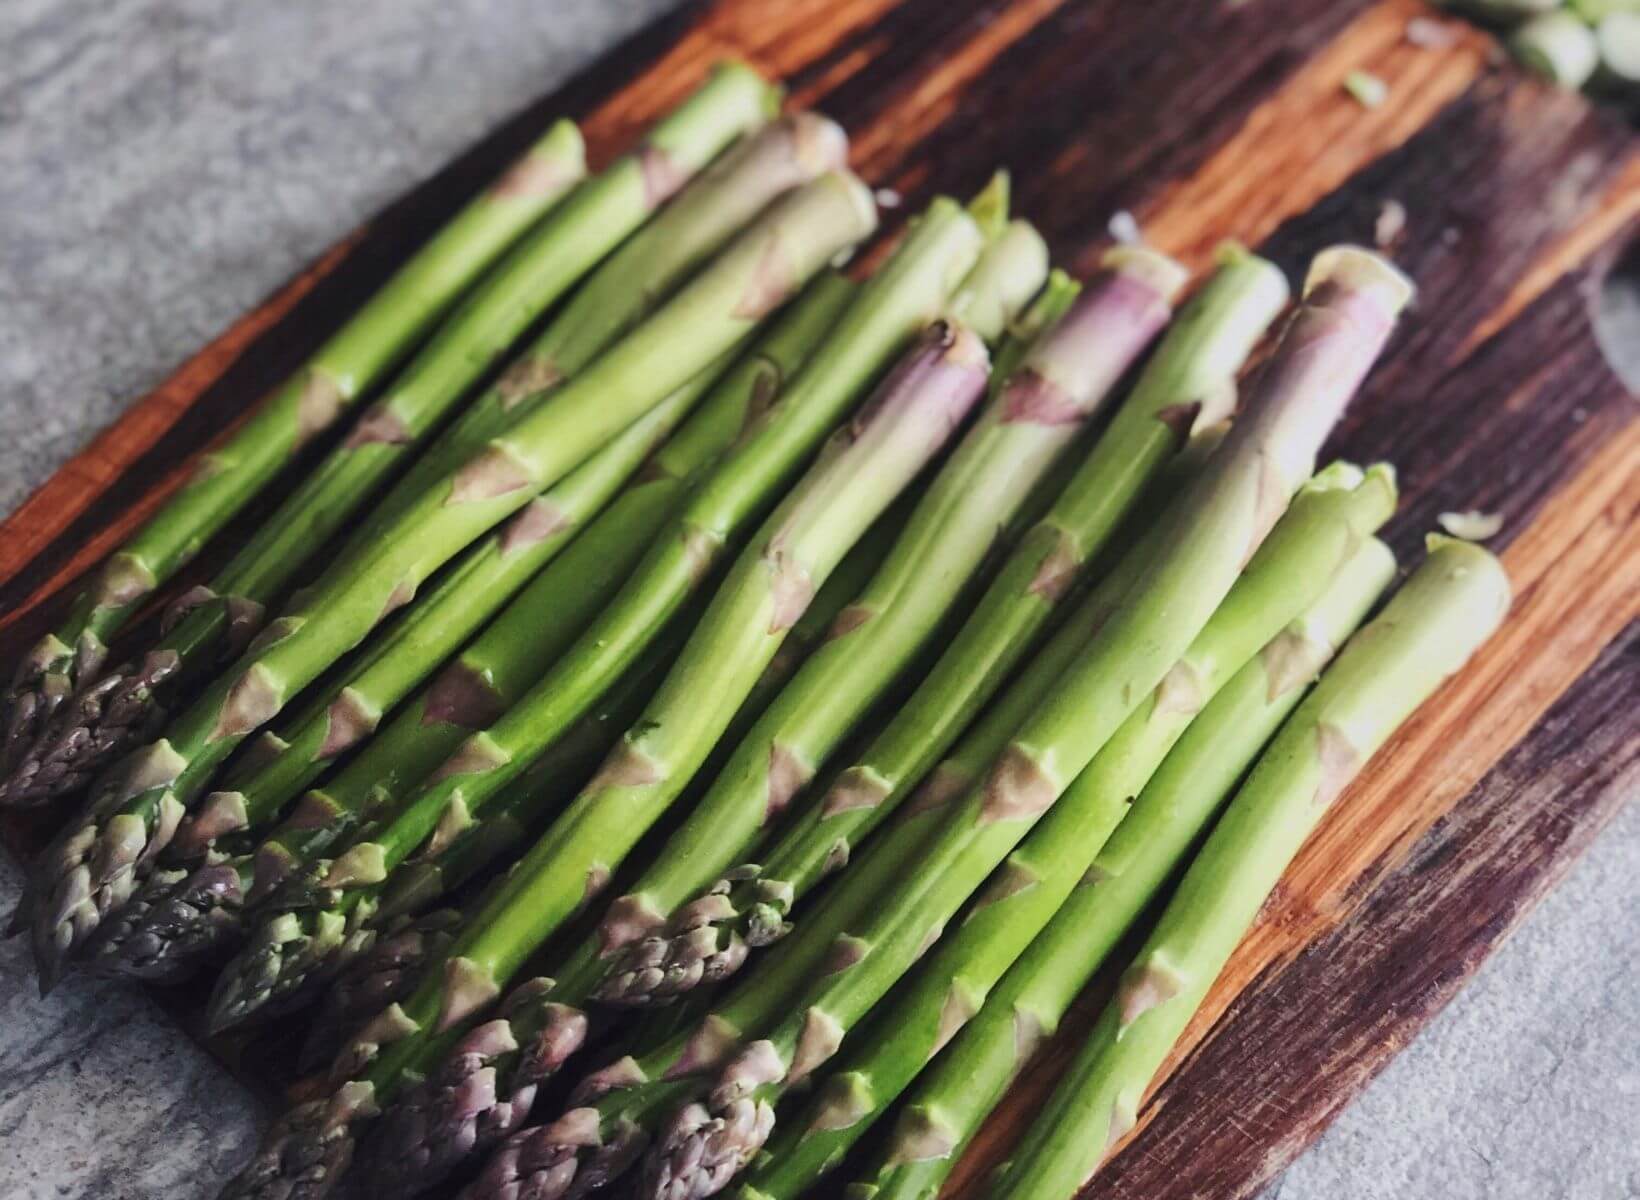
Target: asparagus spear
1428, 631
891, 307
620, 1103
866, 464
570, 760
94, 864
1009, 270
657, 951
118, 710
281, 763
953, 1097
1559, 47
339, 374
492, 673
1352, 301
1191, 378
1312, 554
784, 154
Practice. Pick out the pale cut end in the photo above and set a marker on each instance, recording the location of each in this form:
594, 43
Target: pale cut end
818, 143
1361, 270
1163, 275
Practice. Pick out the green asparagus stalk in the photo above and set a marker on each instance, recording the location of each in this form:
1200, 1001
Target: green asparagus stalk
482, 682
493, 1054
420, 881
868, 464
656, 951
864, 467
1428, 631
957, 1092
620, 1103
285, 761
1352, 300
1559, 47
784, 154
113, 714
94, 865
890, 309
1191, 378
1309, 550
1012, 267
1596, 11
336, 378
177, 918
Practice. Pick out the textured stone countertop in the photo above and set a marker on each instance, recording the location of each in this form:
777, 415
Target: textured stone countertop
163, 164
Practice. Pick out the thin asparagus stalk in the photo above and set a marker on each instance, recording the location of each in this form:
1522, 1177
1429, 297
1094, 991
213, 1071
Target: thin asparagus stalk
890, 309
569, 762
620, 1103
118, 710
421, 881
1352, 300
656, 951
284, 761
957, 1092
784, 154
336, 378
1315, 544
94, 865
1192, 378
1559, 47
1012, 268
864, 467
482, 682
870, 462
280, 763
1428, 631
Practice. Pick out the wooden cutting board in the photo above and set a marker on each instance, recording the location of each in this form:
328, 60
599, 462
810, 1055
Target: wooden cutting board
1207, 119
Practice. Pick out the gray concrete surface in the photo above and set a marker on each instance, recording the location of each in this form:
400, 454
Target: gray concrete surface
163, 164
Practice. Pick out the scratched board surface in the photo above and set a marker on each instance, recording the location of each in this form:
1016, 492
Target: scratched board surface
1207, 120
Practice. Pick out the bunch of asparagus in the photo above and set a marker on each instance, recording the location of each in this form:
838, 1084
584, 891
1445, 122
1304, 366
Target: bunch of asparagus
952, 587
1591, 45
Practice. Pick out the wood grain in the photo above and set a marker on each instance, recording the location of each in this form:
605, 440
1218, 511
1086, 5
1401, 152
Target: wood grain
1207, 120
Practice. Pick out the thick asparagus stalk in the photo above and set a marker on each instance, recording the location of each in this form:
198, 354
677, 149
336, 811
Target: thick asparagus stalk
1011, 268
507, 1042
538, 626
1559, 47
1191, 378
953, 1097
890, 308
731, 192
1352, 301
1431, 627
95, 863
621, 1103
109, 716
1310, 554
284, 761
656, 951
335, 379
485, 679
421, 881
866, 464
